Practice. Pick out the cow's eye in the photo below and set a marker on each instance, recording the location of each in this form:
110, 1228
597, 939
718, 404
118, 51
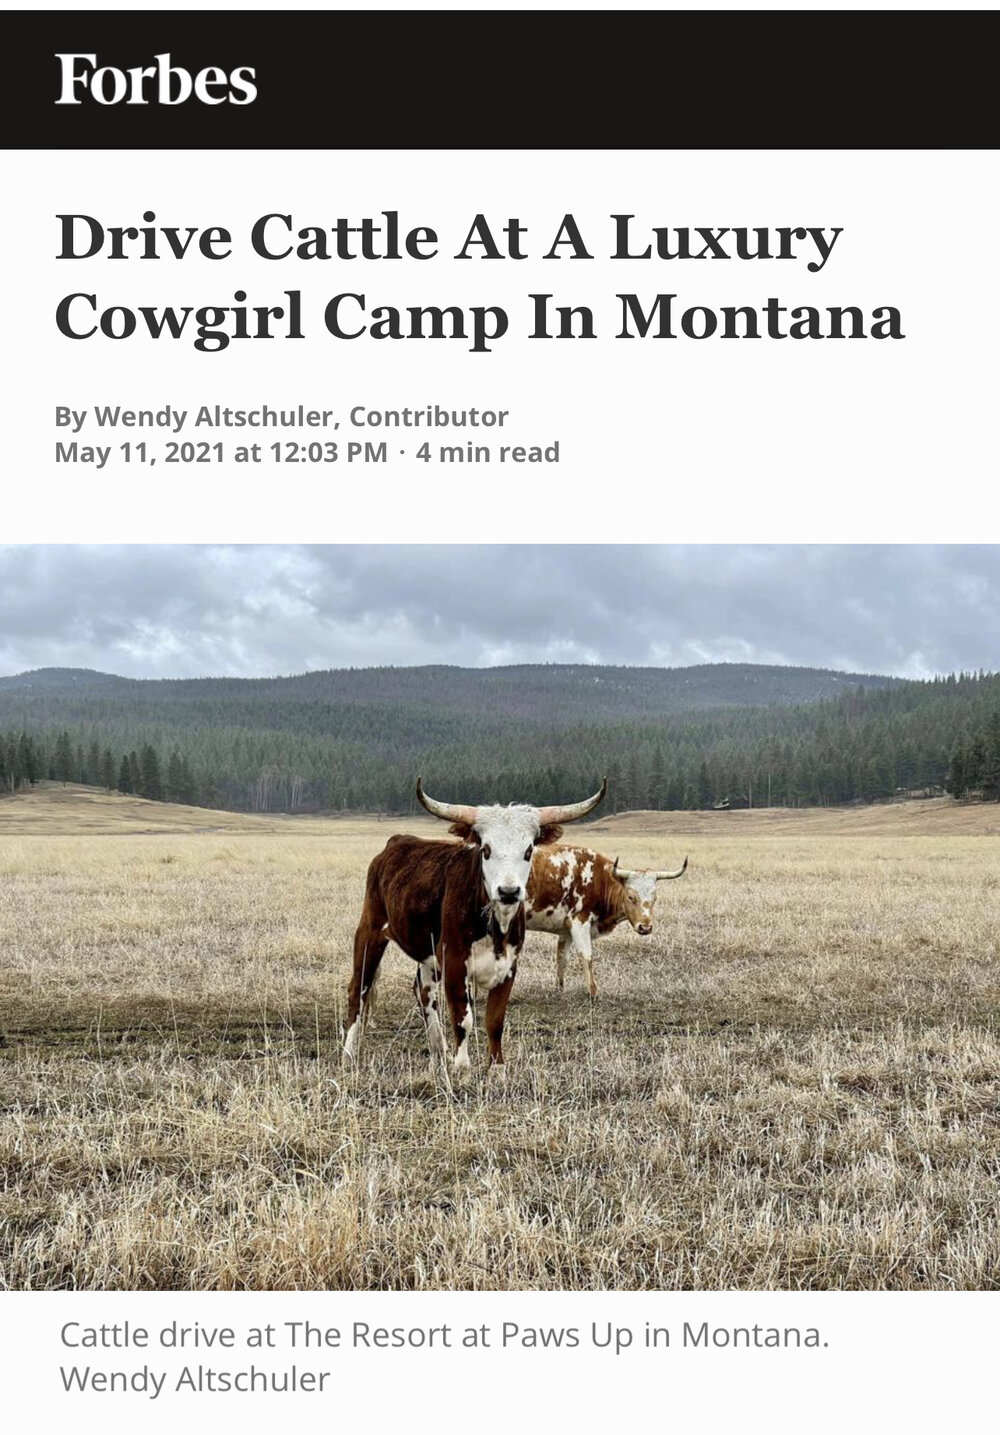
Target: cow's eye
487, 852
527, 855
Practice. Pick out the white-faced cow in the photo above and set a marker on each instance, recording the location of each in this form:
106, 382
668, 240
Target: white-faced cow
456, 908
579, 895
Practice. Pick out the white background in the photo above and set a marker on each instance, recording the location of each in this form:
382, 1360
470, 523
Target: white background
672, 441
660, 439
893, 1362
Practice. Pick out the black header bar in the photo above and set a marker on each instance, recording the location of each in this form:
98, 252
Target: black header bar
477, 80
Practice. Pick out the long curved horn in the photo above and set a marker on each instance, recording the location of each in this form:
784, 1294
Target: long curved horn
666, 876
622, 873
447, 811
574, 810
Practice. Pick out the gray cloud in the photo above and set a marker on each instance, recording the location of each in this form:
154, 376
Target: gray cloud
186, 610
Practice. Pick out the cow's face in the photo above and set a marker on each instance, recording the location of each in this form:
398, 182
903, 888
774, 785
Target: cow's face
507, 839
640, 899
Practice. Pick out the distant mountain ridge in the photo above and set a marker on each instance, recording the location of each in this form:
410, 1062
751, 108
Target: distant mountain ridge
60, 678
524, 691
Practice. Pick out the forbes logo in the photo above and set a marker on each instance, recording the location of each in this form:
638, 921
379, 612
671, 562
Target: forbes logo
162, 83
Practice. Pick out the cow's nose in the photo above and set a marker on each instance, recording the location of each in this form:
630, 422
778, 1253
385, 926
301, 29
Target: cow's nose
508, 895
644, 929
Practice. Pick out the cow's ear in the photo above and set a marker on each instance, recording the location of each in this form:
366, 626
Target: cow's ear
463, 830
550, 833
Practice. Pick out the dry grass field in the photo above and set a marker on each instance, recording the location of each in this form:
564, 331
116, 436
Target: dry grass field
794, 1083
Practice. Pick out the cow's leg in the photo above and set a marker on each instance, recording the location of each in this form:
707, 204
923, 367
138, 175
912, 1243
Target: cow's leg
562, 956
370, 942
428, 993
584, 944
456, 989
496, 1015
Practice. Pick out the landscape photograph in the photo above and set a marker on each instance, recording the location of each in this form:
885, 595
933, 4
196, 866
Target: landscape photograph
549, 917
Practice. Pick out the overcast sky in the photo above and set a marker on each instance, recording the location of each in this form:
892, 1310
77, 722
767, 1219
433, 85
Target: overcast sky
184, 611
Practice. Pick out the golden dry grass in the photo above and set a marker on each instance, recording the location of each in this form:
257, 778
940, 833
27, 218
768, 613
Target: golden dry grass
794, 1083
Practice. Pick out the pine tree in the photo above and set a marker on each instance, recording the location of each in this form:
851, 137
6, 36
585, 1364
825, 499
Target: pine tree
189, 787
125, 775
107, 770
991, 767
614, 785
657, 781
151, 784
27, 759
975, 765
704, 791
955, 781
175, 778
630, 794
63, 761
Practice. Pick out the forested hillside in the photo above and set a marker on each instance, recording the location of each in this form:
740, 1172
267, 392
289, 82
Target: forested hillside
356, 738
541, 692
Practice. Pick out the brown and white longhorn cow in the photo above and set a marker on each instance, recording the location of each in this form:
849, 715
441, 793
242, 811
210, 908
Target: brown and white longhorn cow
456, 908
580, 895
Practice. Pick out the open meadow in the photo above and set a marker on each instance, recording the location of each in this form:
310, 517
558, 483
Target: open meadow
793, 1083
